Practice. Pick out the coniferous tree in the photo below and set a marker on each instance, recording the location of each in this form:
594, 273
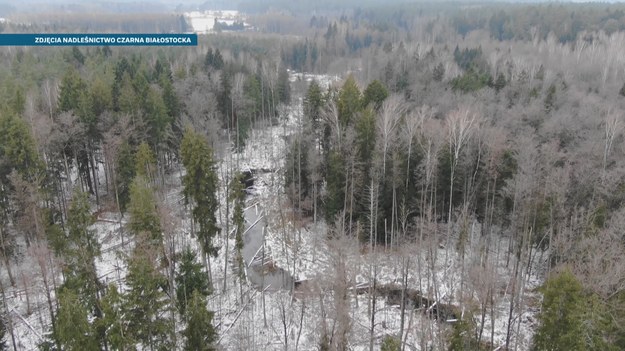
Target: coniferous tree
78, 56
224, 99
365, 138
141, 86
145, 162
122, 69
375, 94
550, 99
156, 118
128, 100
284, 87
144, 218
253, 93
75, 97
200, 187
209, 59
313, 103
500, 82
146, 302
463, 335
335, 189
438, 73
18, 150
81, 251
200, 333
251, 111
161, 71
71, 89
349, 101
73, 332
17, 102
101, 99
561, 324
296, 177
172, 103
218, 60
390, 343
237, 195
113, 323
365, 127
190, 278
126, 169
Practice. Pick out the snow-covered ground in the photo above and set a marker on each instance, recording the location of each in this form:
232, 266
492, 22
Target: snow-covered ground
203, 22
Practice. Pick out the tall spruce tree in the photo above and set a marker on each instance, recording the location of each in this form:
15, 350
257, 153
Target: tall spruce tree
19, 161
146, 301
313, 104
144, 218
73, 332
18, 150
113, 322
349, 101
190, 278
145, 162
200, 333
81, 251
561, 324
200, 187
237, 195
126, 169
71, 89
156, 118
335, 189
296, 176
374, 94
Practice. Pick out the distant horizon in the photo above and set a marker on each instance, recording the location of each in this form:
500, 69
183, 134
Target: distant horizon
29, 7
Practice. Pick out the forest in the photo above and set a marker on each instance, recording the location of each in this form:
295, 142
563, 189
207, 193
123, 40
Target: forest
343, 176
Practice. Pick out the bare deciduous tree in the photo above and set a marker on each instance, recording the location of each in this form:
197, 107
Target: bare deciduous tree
460, 124
339, 278
613, 128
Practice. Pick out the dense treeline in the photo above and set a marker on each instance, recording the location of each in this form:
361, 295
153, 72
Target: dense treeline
565, 22
103, 22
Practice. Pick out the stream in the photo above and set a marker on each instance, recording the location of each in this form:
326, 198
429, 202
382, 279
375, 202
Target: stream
260, 268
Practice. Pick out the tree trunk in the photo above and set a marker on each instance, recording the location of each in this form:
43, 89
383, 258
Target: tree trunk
284, 326
227, 231
9, 319
403, 298
512, 299
301, 321
46, 284
372, 268
315, 203
5, 256
209, 273
263, 282
373, 294
27, 294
